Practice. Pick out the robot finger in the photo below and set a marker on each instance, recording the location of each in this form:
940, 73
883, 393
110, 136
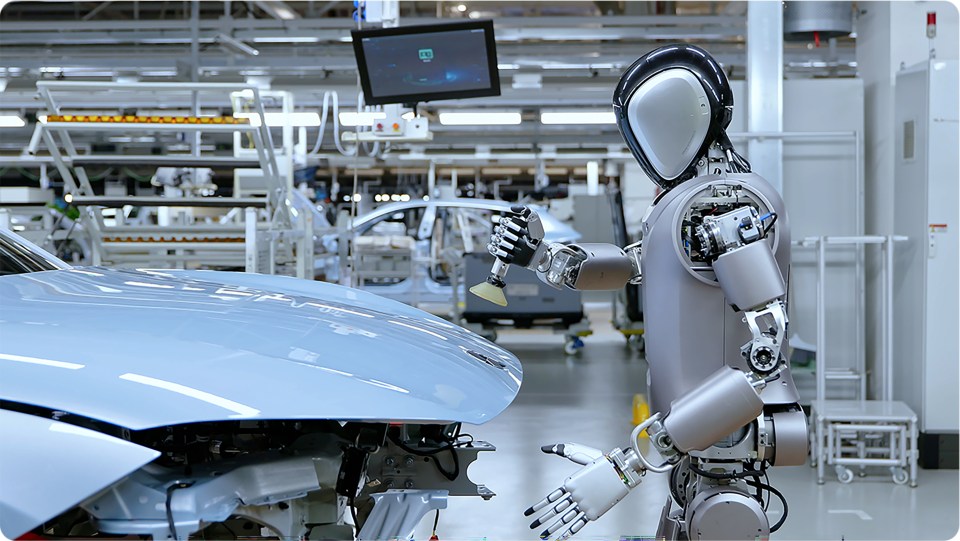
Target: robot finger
578, 524
557, 509
567, 518
581, 454
513, 226
552, 497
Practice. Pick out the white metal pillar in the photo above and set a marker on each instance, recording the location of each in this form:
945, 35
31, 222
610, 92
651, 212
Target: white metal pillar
432, 179
251, 247
765, 88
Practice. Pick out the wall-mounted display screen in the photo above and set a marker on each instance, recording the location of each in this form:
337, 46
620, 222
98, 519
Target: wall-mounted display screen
425, 63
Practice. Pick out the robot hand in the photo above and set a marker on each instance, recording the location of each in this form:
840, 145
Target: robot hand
586, 495
518, 238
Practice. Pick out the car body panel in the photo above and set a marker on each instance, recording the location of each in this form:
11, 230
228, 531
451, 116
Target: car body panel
25, 256
143, 349
38, 455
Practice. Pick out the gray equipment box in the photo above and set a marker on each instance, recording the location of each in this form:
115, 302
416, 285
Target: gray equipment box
529, 300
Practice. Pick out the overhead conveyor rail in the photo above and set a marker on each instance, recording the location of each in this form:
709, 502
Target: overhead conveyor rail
258, 234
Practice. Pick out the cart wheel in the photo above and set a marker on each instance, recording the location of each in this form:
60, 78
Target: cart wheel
844, 475
572, 345
637, 342
900, 476
490, 335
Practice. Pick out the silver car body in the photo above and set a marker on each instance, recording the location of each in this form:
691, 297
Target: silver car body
144, 349
423, 285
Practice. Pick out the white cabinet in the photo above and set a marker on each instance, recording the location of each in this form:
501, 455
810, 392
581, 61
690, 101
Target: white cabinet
926, 325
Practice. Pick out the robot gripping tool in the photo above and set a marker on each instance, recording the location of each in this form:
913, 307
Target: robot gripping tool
516, 240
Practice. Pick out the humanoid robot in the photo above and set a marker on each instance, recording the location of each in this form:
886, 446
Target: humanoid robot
711, 264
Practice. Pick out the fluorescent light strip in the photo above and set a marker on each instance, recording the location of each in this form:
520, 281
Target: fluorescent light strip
353, 118
282, 119
480, 118
11, 121
286, 39
577, 117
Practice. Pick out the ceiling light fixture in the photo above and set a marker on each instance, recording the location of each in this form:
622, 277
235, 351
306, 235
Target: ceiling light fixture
282, 119
11, 120
286, 39
577, 117
480, 118
353, 118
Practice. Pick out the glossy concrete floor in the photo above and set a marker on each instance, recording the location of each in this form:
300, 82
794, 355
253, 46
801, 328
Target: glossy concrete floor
587, 399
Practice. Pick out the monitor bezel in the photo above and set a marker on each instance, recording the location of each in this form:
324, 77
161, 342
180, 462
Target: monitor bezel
486, 25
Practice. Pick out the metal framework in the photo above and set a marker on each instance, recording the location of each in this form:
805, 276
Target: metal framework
861, 433
268, 239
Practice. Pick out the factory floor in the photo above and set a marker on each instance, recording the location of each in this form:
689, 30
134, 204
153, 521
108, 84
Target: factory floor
588, 398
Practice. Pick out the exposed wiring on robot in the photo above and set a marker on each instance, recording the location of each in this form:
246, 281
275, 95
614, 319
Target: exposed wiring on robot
768, 227
735, 161
750, 477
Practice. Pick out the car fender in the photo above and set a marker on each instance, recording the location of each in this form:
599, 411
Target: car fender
47, 466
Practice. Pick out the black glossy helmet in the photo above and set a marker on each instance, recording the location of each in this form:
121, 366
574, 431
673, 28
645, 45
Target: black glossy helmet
670, 105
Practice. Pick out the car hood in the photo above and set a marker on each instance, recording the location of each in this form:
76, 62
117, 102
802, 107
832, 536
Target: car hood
143, 349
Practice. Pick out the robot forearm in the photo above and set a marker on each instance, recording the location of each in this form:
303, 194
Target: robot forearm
588, 266
722, 403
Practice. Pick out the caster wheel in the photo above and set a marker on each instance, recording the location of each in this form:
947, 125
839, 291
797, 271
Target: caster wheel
637, 342
491, 336
900, 476
572, 347
844, 475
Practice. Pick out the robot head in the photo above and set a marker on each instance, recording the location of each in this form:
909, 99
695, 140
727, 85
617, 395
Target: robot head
670, 105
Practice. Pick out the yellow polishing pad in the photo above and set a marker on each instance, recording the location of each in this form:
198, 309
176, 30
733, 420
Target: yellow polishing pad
490, 292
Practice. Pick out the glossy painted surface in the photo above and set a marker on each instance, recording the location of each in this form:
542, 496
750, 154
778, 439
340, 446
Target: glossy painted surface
26, 255
37, 454
143, 349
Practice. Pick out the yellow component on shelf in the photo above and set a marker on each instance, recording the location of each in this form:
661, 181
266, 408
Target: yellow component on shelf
137, 119
641, 411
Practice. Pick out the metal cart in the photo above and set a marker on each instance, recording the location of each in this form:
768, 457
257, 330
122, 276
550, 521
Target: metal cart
860, 433
533, 304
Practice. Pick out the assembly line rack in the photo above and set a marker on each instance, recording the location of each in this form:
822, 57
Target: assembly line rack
860, 433
272, 234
